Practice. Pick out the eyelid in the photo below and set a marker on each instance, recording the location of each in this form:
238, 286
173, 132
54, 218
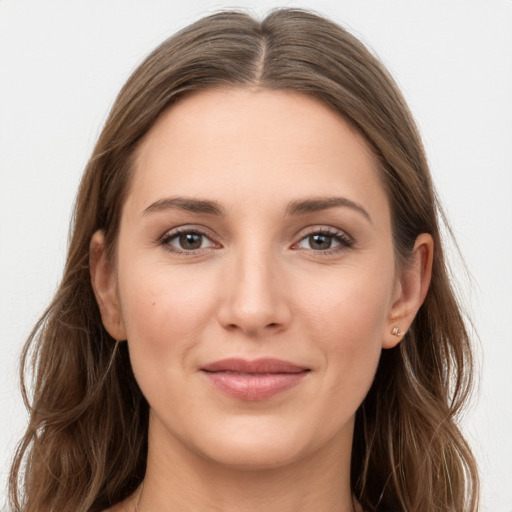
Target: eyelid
344, 239
170, 234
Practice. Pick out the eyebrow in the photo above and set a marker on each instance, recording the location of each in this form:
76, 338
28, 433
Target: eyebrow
297, 207
187, 204
302, 207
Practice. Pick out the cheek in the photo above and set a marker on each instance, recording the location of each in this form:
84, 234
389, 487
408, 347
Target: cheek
351, 305
346, 319
164, 314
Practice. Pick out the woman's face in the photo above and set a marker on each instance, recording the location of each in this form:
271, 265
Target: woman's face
255, 229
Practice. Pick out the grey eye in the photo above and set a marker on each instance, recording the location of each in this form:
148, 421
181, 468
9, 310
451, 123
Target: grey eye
319, 242
188, 241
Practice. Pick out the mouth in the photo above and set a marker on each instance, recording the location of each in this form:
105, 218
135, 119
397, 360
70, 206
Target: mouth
255, 380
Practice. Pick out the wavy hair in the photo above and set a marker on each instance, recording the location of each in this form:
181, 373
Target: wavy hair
85, 447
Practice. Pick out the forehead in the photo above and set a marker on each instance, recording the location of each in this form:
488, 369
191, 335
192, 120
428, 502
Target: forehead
227, 142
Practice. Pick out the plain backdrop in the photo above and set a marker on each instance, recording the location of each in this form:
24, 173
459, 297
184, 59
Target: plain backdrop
62, 63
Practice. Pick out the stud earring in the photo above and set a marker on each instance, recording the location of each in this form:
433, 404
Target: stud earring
396, 331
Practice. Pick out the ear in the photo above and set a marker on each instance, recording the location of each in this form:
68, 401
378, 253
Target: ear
410, 291
104, 284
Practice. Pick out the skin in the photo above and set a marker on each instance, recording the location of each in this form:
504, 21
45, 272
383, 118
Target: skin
258, 285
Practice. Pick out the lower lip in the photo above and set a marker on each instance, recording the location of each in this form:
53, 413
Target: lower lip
255, 387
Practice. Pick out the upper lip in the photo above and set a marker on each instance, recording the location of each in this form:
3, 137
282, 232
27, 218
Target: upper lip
263, 365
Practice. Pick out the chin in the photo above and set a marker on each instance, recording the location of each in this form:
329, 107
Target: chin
259, 444
253, 455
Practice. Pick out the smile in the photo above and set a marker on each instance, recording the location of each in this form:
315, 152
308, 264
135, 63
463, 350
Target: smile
253, 380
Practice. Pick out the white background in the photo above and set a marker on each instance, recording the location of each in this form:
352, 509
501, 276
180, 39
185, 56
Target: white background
62, 63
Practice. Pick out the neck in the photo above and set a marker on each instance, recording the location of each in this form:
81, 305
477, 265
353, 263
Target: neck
178, 479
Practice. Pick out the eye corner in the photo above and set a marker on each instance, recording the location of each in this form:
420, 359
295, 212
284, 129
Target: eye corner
327, 236
202, 243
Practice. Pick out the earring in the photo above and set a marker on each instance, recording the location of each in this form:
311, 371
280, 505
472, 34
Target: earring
396, 331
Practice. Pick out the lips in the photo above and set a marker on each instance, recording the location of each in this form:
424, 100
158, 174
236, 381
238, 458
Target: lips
255, 380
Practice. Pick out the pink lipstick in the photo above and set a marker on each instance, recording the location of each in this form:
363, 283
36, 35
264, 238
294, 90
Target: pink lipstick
253, 380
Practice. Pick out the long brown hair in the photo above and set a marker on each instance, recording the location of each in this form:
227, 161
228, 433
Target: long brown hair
86, 444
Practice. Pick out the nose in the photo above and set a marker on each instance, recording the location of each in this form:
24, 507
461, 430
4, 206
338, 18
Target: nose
254, 296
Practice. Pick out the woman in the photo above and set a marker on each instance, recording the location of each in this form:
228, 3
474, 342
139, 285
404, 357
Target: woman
255, 312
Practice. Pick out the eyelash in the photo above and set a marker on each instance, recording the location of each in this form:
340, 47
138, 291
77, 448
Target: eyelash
175, 233
344, 240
